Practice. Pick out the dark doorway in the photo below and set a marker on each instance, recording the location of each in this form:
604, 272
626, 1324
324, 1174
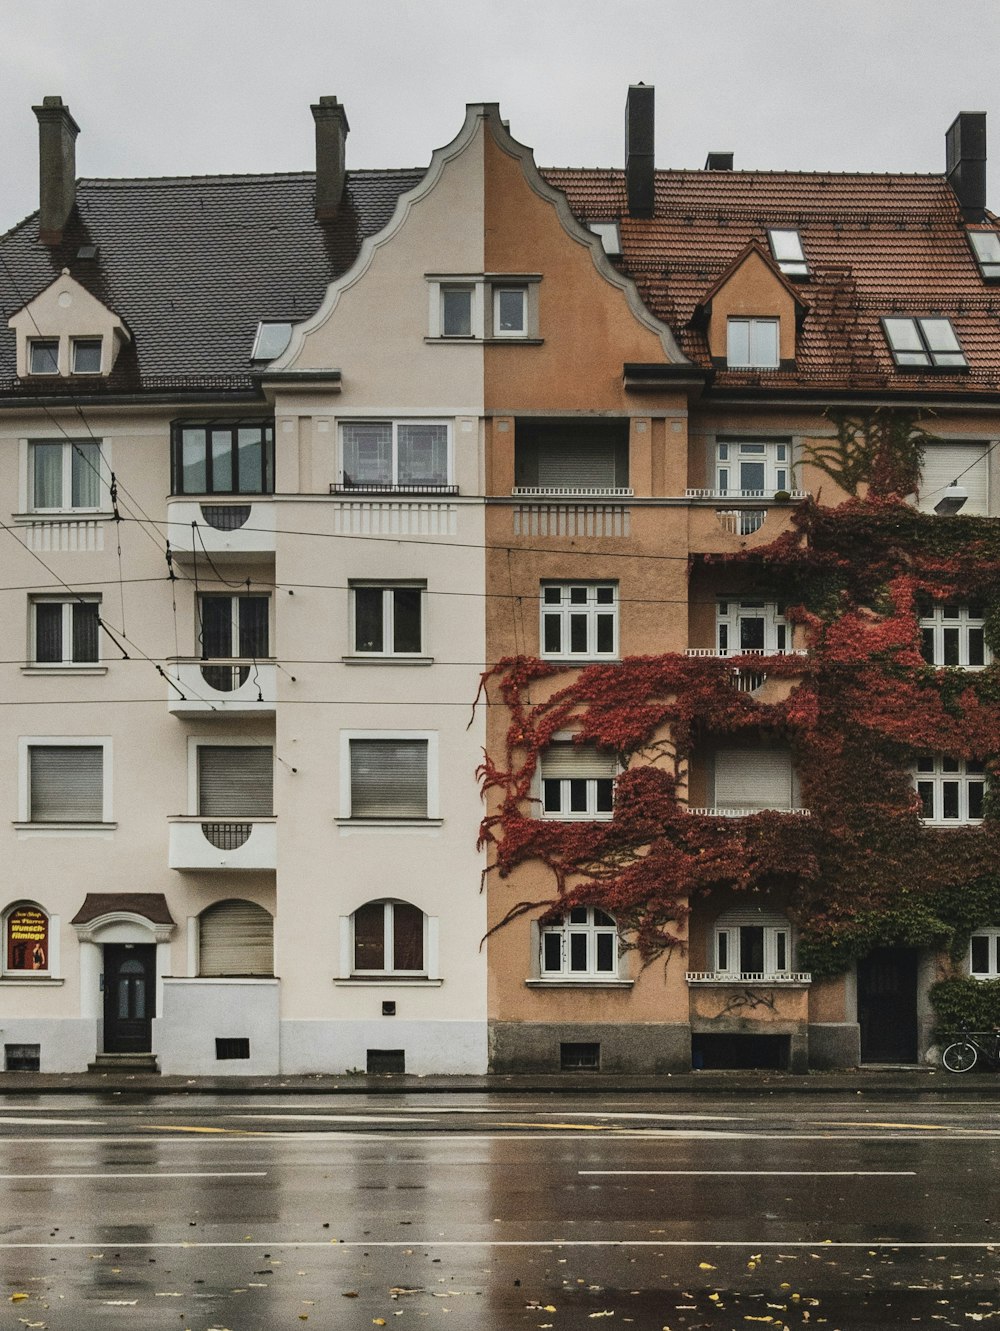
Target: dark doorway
887, 1005
129, 997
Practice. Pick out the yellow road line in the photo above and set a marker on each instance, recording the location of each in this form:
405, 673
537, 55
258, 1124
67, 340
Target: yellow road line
846, 1123
574, 1127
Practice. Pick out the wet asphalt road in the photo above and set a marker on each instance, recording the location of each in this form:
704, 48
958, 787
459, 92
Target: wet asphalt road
498, 1212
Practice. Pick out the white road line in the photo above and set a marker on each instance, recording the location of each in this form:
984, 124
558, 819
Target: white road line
335, 1118
58, 1122
229, 1173
331, 1245
761, 1173
241, 1136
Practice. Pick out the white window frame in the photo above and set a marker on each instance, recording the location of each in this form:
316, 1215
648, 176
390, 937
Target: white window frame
40, 341
395, 423
924, 355
67, 662
937, 778
730, 611
388, 940
992, 935
495, 294
484, 306
213, 742
26, 743
26, 468
726, 947
75, 342
433, 786
590, 929
936, 622
776, 458
387, 587
564, 814
754, 327
792, 264
987, 263
234, 599
590, 609
53, 968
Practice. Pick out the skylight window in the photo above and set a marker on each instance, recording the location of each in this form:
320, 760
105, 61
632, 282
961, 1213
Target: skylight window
986, 248
271, 339
786, 246
610, 237
924, 343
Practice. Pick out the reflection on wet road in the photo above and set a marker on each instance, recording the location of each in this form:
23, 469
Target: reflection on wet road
498, 1212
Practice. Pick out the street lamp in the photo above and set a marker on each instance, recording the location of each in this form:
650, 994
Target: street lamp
951, 500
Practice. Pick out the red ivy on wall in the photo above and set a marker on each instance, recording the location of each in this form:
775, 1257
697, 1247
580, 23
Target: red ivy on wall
862, 706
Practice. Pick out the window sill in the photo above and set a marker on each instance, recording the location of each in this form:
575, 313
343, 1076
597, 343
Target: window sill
484, 341
380, 981
373, 824
42, 981
64, 829
575, 817
947, 823
387, 660
582, 660
578, 982
64, 668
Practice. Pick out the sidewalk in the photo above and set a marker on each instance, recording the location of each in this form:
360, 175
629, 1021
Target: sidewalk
876, 1081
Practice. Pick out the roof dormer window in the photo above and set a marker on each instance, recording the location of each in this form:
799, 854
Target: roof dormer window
924, 344
86, 355
986, 249
786, 247
44, 354
752, 344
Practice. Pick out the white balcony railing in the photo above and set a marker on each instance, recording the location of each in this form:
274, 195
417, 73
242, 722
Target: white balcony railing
239, 687
748, 977
221, 531
736, 495
747, 812
746, 651
741, 521
572, 491
223, 843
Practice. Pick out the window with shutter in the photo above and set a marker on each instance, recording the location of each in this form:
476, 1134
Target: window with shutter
235, 938
388, 778
235, 780
571, 457
66, 783
749, 780
965, 463
577, 781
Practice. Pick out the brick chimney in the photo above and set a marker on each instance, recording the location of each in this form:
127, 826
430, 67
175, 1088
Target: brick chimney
965, 162
639, 150
57, 131
331, 138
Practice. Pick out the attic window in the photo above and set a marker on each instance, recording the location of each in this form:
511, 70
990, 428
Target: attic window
752, 344
86, 355
786, 246
924, 344
44, 355
87, 252
271, 340
610, 237
986, 248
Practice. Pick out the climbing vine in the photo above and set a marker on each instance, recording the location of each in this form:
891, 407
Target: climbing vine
856, 713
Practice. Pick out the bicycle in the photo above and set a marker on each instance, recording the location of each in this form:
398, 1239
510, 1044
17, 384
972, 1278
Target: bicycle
964, 1053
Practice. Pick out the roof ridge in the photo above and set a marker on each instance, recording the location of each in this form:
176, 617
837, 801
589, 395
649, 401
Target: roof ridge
238, 177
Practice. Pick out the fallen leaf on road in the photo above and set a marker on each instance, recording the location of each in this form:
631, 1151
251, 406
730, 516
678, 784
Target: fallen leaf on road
18, 1298
705, 1266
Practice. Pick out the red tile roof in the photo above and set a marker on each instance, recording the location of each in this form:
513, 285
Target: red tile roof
875, 244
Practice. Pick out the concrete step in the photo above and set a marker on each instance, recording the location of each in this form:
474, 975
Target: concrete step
124, 1063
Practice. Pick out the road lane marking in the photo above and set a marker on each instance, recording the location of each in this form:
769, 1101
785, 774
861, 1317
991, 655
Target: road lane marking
873, 1123
58, 1122
750, 1245
764, 1173
232, 1132
565, 1127
333, 1118
229, 1173
237, 1136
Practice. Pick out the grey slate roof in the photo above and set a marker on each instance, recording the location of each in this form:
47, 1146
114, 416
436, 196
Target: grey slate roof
191, 264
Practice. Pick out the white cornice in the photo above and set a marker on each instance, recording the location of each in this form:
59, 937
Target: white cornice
88, 931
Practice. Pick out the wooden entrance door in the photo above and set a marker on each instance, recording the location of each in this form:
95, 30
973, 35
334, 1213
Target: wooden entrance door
129, 997
887, 1005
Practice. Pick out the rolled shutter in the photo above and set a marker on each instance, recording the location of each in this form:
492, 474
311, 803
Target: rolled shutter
565, 759
235, 781
753, 779
236, 938
388, 778
944, 463
67, 783
575, 460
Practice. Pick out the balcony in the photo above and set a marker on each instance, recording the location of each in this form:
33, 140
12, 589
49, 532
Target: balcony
239, 687
225, 531
748, 496
748, 977
737, 811
572, 492
226, 844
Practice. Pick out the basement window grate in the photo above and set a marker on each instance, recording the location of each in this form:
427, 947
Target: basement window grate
579, 1057
386, 1062
232, 1048
22, 1057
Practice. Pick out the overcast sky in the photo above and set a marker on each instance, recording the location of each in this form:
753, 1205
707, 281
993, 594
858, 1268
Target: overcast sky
206, 86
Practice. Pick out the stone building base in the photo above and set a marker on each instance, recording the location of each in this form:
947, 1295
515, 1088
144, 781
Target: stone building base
638, 1048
